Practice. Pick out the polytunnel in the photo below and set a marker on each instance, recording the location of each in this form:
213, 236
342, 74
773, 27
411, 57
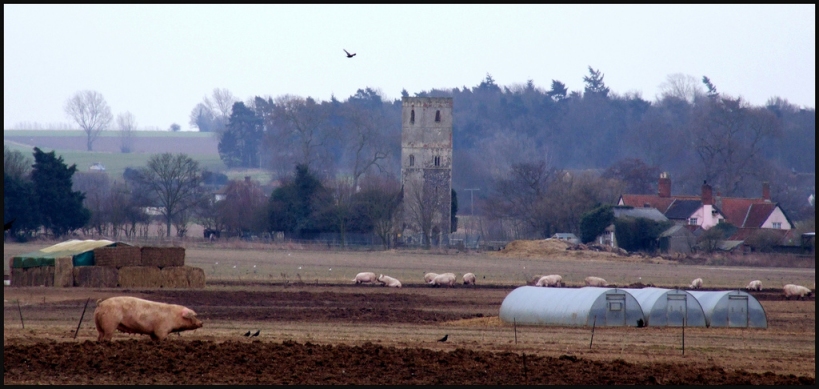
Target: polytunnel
733, 308
587, 306
667, 307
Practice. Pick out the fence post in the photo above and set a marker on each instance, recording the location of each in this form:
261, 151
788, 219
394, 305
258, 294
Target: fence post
594, 323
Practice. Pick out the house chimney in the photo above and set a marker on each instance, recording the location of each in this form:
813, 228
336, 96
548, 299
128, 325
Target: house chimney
664, 186
766, 191
707, 194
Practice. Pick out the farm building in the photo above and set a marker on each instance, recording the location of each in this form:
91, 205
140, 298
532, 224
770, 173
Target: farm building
733, 308
611, 307
667, 307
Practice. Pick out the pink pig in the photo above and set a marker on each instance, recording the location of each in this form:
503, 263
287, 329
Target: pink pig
137, 316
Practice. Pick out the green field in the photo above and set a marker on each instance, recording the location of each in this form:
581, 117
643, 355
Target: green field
115, 163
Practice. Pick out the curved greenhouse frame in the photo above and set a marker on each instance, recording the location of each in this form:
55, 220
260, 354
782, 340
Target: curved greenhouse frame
669, 307
733, 308
587, 306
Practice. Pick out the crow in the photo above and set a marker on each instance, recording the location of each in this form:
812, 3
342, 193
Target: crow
257, 333
348, 54
7, 226
444, 338
247, 333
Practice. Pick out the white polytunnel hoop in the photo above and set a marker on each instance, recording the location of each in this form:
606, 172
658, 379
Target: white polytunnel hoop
587, 306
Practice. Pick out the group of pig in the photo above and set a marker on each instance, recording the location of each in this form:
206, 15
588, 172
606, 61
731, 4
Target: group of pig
433, 279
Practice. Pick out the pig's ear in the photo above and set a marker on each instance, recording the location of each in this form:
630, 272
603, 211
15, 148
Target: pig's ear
188, 314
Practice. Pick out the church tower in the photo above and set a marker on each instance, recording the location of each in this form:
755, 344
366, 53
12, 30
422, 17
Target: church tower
426, 169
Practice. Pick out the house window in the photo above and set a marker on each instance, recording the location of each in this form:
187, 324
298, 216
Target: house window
437, 161
692, 221
777, 225
438, 116
412, 117
412, 160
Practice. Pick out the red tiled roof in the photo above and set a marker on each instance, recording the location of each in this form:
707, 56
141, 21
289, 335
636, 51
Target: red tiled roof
661, 203
736, 210
757, 214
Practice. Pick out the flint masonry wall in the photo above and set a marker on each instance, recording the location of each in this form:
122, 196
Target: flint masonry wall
426, 163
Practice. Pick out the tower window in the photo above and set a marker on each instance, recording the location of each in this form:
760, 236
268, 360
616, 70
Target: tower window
412, 116
438, 116
412, 160
437, 161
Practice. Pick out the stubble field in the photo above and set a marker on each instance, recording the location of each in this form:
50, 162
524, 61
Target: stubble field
317, 327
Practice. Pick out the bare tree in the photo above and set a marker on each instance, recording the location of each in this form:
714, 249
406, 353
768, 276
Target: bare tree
379, 201
301, 124
174, 181
96, 188
89, 109
244, 207
127, 125
367, 146
682, 86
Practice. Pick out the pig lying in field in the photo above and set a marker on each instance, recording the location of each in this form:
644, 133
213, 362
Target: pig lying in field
596, 281
137, 316
365, 277
389, 281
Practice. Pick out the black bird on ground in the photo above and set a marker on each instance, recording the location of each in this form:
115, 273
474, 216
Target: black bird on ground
640, 323
7, 226
256, 334
348, 54
247, 333
444, 338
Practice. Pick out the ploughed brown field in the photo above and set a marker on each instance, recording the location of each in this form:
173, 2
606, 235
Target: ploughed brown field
317, 329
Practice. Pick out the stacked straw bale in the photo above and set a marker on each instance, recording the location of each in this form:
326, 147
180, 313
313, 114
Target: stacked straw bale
163, 256
183, 277
118, 257
64, 272
96, 276
33, 276
140, 277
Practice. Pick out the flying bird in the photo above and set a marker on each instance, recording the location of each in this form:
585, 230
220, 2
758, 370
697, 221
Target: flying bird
256, 334
7, 226
444, 338
247, 333
348, 54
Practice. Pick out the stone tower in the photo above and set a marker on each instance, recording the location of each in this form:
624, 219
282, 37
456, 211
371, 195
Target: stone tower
426, 168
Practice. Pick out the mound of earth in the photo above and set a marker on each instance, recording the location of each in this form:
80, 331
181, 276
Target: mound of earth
551, 248
242, 363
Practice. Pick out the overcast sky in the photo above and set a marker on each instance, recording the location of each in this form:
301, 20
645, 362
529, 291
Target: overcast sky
158, 61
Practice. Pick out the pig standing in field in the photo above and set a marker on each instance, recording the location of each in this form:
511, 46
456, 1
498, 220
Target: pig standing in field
368, 277
754, 285
429, 277
797, 291
696, 283
443, 279
389, 281
552, 280
469, 279
137, 316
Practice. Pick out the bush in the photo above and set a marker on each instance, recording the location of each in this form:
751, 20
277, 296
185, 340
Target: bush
594, 222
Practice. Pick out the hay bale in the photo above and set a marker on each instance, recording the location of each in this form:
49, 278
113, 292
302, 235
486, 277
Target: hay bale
175, 277
18, 277
95, 277
64, 272
163, 256
196, 277
140, 277
118, 257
